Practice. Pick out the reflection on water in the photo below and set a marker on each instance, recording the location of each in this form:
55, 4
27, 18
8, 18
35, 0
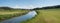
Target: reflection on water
21, 18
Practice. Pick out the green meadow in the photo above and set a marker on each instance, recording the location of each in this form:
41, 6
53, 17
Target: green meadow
45, 16
7, 14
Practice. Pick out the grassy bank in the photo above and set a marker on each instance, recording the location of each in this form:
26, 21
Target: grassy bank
7, 14
46, 16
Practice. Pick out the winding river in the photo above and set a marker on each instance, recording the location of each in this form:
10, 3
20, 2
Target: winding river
21, 18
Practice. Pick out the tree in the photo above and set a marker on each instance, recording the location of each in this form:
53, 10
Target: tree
6, 8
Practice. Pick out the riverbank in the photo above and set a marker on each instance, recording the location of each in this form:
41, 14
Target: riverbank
4, 15
46, 16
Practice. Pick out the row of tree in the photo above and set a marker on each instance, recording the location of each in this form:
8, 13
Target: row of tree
9, 8
48, 7
6, 8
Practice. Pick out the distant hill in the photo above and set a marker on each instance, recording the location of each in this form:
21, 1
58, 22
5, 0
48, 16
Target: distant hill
6, 8
48, 7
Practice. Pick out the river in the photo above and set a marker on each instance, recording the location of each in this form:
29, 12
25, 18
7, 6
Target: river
25, 17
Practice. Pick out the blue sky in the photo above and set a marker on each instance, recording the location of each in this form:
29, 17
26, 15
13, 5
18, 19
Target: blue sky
28, 4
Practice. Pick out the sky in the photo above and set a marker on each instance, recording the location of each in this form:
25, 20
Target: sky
28, 4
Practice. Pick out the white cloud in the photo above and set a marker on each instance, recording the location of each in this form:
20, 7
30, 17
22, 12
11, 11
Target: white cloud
25, 7
16, 6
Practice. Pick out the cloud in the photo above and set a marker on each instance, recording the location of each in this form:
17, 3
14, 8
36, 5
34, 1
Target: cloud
24, 7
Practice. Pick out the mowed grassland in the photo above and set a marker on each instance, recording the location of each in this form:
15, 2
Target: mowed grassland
7, 14
46, 16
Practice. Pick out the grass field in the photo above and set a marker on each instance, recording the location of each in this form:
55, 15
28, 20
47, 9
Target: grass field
7, 14
46, 16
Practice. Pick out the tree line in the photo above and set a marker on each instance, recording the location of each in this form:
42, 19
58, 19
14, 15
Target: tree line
48, 7
6, 8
